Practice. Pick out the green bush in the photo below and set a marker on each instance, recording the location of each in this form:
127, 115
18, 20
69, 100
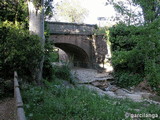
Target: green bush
135, 53
63, 72
127, 79
19, 50
48, 71
50, 56
54, 56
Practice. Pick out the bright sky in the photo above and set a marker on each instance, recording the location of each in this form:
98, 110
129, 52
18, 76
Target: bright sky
97, 9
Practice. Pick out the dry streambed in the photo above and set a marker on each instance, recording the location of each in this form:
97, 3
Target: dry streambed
103, 83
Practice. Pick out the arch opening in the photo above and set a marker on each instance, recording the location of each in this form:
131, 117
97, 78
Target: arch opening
77, 56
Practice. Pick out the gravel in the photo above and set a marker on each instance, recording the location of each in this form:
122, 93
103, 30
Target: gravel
7, 108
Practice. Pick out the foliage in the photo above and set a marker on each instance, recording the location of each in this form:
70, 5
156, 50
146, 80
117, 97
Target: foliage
50, 56
127, 12
128, 9
151, 9
136, 52
6, 88
101, 30
57, 102
48, 8
19, 50
51, 72
14, 10
63, 72
127, 79
71, 11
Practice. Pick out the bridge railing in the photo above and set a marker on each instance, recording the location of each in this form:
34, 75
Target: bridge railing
20, 115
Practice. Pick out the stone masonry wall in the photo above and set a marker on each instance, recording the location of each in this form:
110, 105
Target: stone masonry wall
79, 41
71, 28
100, 48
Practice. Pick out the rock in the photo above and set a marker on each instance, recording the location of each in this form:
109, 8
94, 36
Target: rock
120, 92
151, 102
145, 95
108, 88
101, 75
155, 98
128, 91
143, 86
67, 84
89, 75
100, 84
103, 78
112, 88
134, 97
99, 91
110, 93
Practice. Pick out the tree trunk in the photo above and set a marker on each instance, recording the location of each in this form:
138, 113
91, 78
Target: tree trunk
36, 26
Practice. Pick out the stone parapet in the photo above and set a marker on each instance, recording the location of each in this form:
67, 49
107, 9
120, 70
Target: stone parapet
71, 28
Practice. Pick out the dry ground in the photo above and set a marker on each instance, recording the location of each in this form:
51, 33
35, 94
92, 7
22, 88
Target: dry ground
7, 108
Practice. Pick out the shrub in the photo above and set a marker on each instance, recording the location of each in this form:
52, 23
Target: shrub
19, 50
136, 53
48, 72
50, 56
127, 79
63, 72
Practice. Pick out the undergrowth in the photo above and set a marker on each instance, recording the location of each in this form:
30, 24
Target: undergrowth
54, 101
135, 54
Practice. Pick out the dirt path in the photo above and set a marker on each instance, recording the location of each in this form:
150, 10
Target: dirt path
7, 109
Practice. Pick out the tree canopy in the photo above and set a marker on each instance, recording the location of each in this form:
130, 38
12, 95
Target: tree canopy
151, 9
128, 10
71, 11
13, 10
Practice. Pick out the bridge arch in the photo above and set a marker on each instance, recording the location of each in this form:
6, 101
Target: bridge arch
79, 42
76, 54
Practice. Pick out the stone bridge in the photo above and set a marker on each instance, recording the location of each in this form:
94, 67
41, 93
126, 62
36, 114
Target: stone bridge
79, 42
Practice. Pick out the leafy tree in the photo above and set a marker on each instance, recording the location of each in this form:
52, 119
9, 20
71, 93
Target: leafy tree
151, 9
17, 11
36, 26
135, 54
71, 11
37, 11
19, 50
128, 11
14, 11
48, 9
